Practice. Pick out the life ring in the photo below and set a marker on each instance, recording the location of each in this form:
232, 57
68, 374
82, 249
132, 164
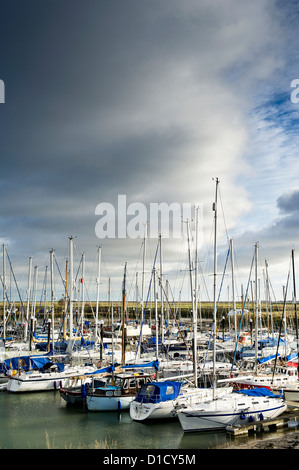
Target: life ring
99, 364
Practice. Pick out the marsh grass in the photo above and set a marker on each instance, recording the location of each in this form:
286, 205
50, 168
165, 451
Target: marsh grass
50, 444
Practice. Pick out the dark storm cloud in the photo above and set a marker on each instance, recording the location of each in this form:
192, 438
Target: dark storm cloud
108, 97
289, 202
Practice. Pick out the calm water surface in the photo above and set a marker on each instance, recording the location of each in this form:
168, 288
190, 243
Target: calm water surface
43, 420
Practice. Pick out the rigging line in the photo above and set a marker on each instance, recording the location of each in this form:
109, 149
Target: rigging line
133, 277
148, 293
243, 308
15, 281
79, 261
281, 322
63, 280
43, 292
223, 215
274, 302
174, 316
218, 300
10, 305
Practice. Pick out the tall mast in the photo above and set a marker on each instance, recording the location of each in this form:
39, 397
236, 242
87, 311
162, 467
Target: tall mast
45, 290
82, 292
161, 290
4, 293
65, 299
28, 300
109, 299
33, 306
98, 294
52, 294
233, 289
256, 306
71, 247
295, 301
196, 262
269, 300
123, 316
194, 316
156, 315
143, 272
215, 288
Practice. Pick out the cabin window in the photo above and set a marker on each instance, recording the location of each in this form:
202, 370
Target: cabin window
132, 383
149, 390
169, 390
140, 382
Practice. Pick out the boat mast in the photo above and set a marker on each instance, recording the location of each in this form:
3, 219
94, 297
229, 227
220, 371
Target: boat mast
142, 283
256, 307
28, 300
233, 289
156, 315
33, 306
161, 289
123, 316
194, 316
82, 293
71, 292
295, 302
4, 294
98, 293
52, 293
65, 300
196, 263
214, 288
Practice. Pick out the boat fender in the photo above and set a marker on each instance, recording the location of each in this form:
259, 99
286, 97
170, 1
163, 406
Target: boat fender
242, 415
119, 405
55, 385
261, 416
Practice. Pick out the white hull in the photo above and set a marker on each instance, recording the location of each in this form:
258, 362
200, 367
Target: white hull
37, 381
168, 409
229, 411
105, 403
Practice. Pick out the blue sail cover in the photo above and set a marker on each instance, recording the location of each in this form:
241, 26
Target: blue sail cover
154, 364
263, 360
258, 392
101, 371
156, 392
26, 363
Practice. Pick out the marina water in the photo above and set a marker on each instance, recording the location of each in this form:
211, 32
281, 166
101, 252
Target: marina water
42, 420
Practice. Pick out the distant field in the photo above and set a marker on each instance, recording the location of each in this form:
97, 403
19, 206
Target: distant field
205, 310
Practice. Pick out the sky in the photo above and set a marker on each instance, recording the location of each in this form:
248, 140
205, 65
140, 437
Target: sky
152, 100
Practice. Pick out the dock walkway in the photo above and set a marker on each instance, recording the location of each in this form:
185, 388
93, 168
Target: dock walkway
289, 418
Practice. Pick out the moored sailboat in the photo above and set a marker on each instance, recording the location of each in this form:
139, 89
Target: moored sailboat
231, 410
